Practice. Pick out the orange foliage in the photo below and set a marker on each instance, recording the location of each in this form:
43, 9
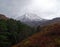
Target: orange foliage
46, 38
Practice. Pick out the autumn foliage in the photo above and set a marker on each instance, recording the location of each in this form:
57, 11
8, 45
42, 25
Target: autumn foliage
49, 36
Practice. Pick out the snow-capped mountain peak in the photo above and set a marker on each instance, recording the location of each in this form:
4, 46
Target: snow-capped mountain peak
29, 17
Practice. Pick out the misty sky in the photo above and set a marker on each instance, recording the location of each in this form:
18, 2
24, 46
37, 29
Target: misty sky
47, 9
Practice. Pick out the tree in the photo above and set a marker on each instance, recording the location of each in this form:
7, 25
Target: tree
38, 28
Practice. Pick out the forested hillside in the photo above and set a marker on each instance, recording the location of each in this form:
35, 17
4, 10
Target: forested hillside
13, 31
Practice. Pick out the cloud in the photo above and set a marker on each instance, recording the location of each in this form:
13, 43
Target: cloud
12, 8
47, 9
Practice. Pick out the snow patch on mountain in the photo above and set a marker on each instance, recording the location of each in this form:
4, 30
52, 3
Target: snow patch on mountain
29, 17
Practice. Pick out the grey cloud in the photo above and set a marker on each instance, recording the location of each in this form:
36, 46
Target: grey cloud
15, 8
11, 8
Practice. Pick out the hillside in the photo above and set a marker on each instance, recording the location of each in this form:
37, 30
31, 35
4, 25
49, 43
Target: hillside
49, 36
3, 17
13, 31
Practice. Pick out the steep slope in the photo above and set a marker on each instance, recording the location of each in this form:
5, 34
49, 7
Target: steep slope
48, 37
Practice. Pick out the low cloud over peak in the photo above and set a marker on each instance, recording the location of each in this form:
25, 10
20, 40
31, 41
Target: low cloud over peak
46, 9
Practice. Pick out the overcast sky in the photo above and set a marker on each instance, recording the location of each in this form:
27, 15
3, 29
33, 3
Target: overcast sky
47, 9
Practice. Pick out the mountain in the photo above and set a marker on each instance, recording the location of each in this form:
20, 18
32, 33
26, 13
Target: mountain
49, 36
31, 19
3, 17
55, 20
34, 20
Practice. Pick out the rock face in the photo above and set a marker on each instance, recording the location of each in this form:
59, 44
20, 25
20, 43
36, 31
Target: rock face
3, 17
49, 36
